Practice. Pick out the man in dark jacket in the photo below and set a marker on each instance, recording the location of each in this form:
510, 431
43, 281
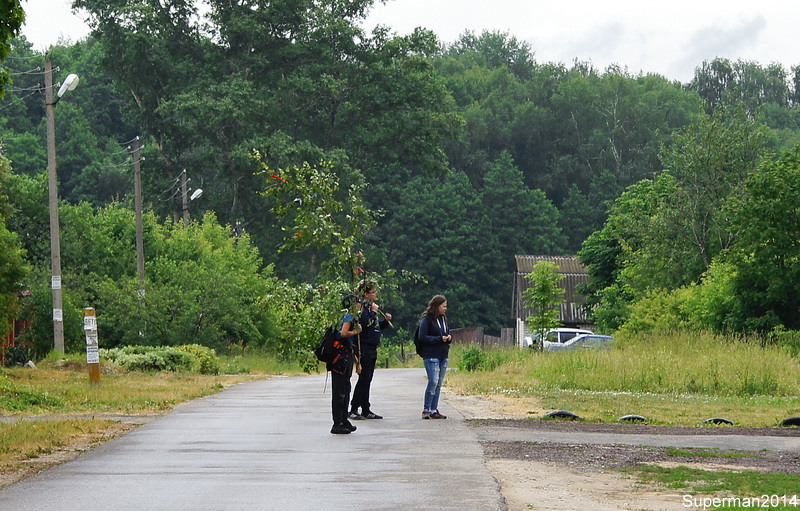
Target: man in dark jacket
366, 349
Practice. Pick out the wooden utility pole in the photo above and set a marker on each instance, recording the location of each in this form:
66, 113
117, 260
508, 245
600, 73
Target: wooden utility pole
185, 198
55, 237
137, 190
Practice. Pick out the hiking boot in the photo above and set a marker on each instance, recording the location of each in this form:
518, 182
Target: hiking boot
349, 425
355, 416
372, 415
426, 415
437, 415
340, 429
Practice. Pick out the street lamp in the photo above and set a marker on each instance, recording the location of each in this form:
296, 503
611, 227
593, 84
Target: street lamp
55, 244
185, 197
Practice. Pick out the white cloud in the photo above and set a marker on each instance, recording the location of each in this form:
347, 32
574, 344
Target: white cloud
670, 38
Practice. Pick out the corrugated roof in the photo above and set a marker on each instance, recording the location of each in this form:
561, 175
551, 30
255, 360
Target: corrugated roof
566, 264
574, 274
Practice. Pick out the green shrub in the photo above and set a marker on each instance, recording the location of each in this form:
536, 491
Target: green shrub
204, 360
148, 358
788, 338
473, 359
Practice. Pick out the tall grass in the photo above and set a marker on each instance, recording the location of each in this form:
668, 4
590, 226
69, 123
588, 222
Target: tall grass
670, 363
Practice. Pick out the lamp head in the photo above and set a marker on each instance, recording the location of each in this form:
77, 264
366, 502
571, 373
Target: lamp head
69, 84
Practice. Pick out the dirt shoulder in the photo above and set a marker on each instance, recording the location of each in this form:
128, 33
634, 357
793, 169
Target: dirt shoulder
564, 476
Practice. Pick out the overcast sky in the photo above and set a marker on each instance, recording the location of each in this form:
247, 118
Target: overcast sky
669, 37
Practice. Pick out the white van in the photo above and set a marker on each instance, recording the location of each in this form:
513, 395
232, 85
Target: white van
555, 335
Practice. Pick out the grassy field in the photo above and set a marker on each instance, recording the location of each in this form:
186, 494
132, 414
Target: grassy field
675, 379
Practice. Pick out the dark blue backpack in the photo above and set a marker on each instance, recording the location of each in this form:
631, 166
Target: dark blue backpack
417, 343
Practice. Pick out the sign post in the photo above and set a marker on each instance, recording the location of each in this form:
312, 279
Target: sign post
92, 345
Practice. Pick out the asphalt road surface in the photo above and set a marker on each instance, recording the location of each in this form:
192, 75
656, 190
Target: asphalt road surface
266, 445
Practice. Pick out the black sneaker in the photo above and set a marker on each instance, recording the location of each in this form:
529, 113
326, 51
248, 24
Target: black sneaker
372, 415
355, 416
349, 425
340, 429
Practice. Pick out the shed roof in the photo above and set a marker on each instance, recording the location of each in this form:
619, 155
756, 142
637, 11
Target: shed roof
566, 265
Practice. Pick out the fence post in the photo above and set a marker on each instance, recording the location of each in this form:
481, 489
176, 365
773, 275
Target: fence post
92, 345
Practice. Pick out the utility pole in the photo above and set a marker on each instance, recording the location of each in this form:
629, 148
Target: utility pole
184, 198
137, 190
55, 241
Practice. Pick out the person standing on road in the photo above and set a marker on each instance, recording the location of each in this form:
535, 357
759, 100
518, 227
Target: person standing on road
366, 349
342, 370
435, 339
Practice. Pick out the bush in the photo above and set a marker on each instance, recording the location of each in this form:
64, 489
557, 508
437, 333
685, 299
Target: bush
204, 360
473, 359
787, 338
147, 358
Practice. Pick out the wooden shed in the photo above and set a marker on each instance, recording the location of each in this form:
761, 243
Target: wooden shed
572, 313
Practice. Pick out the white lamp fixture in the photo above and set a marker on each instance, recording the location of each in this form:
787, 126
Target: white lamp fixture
69, 84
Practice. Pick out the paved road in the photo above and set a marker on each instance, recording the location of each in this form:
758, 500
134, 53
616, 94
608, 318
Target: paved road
266, 446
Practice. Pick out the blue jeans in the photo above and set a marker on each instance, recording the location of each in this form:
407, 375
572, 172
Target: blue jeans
435, 367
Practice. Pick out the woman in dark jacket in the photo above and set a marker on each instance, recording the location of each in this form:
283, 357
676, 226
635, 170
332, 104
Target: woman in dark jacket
435, 338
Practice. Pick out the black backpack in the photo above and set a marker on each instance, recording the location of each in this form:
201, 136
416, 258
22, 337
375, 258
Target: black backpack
333, 351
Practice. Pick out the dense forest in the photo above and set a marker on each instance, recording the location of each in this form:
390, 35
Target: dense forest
327, 154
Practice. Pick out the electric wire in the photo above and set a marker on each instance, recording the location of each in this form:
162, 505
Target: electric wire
129, 141
37, 71
13, 101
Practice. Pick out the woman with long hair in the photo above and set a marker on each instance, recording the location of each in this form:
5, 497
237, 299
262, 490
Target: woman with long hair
435, 338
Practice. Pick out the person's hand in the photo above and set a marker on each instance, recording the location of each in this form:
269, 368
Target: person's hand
388, 317
374, 307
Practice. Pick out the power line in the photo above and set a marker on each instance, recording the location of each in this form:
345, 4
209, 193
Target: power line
37, 88
17, 100
37, 71
127, 144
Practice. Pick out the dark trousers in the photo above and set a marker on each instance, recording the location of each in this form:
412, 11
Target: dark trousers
340, 394
361, 392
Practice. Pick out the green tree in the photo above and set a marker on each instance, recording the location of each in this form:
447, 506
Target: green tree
434, 231
12, 17
709, 162
544, 297
203, 286
13, 268
721, 82
516, 220
292, 79
765, 254
315, 211
664, 234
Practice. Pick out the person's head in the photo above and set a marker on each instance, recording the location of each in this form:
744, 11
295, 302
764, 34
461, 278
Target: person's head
368, 290
436, 307
349, 301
